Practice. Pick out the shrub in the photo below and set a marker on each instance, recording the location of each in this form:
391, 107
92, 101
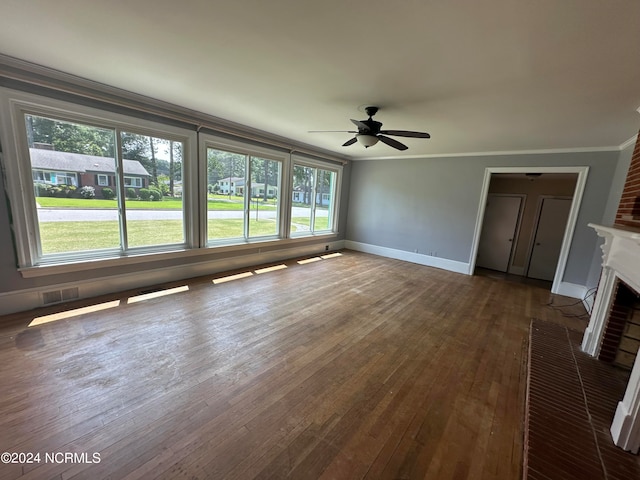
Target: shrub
145, 194
87, 192
163, 188
108, 193
131, 193
155, 195
69, 190
42, 190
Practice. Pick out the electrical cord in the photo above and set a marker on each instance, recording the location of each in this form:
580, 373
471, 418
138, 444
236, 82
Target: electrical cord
590, 292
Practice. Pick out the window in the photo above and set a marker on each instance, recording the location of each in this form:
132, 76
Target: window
133, 182
103, 180
159, 161
313, 192
70, 213
88, 184
243, 199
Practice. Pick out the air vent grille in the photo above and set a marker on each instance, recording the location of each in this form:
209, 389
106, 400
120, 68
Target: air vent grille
57, 296
54, 296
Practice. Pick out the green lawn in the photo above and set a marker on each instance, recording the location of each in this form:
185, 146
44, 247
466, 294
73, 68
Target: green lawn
322, 223
78, 236
218, 203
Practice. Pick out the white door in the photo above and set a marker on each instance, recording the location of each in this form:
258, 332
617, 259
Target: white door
498, 232
552, 222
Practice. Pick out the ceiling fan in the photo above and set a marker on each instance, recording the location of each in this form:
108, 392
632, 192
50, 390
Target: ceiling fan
369, 132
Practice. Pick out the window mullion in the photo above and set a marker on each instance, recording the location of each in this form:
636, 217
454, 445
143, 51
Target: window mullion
314, 193
122, 218
247, 195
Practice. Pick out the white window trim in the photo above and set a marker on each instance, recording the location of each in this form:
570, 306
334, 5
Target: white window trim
14, 105
322, 165
136, 180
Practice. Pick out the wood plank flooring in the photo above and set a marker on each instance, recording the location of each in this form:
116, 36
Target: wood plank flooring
353, 366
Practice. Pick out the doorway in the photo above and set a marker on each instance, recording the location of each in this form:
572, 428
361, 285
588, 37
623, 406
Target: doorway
531, 180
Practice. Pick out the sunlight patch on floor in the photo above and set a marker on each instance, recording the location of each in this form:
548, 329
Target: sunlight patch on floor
73, 313
309, 260
229, 278
159, 293
331, 255
271, 269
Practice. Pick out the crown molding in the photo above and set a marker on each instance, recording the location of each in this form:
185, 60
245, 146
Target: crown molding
628, 143
501, 152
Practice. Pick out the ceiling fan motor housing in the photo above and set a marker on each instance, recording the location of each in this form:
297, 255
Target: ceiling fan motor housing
374, 127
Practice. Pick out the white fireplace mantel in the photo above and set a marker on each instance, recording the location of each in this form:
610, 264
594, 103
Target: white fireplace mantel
620, 260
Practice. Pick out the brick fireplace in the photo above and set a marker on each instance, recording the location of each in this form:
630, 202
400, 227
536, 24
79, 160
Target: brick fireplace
628, 214
621, 336
613, 312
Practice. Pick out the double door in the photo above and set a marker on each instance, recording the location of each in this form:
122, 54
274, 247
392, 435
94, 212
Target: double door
503, 215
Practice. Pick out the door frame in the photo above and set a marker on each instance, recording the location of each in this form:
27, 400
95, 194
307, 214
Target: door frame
536, 219
571, 221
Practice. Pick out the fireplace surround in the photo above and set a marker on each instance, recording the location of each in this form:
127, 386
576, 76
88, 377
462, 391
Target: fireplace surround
620, 262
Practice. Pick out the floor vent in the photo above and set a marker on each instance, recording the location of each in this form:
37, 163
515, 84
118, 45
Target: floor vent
57, 296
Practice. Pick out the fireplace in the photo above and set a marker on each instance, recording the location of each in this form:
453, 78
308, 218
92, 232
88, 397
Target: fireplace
620, 266
621, 337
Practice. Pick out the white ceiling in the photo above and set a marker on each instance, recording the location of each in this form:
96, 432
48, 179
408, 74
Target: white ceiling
480, 76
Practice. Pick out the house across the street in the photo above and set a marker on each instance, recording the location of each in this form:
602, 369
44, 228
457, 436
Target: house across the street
235, 186
63, 168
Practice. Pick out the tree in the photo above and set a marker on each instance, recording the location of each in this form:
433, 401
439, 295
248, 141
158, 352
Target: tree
154, 166
324, 184
70, 137
303, 179
221, 164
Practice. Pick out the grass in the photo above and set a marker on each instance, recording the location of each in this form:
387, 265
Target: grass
58, 237
217, 203
322, 223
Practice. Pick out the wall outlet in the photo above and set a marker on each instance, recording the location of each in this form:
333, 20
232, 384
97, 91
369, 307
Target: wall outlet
326, 248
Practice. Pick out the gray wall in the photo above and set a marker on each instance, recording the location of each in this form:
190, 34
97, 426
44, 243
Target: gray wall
431, 204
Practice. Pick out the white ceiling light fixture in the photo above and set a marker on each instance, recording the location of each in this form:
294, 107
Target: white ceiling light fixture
367, 140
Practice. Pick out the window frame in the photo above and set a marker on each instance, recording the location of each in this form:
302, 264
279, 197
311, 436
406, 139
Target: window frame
14, 105
243, 148
138, 181
303, 161
103, 180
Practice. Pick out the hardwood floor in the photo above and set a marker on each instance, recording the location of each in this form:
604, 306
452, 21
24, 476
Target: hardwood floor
349, 367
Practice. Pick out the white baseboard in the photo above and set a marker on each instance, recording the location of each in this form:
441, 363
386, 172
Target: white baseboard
419, 258
29, 299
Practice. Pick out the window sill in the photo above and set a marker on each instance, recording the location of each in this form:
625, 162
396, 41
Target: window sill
142, 258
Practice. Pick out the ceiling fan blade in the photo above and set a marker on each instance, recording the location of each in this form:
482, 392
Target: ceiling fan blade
350, 142
405, 133
392, 143
363, 127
